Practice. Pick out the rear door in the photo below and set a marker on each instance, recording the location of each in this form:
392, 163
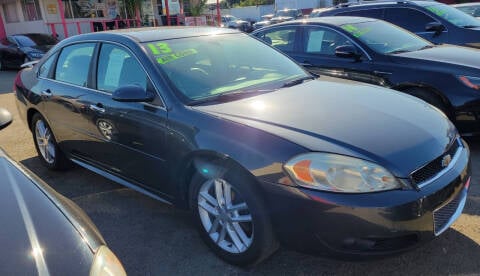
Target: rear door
61, 89
130, 135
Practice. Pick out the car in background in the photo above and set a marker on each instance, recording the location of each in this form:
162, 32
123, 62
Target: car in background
264, 22
286, 15
377, 52
436, 22
18, 49
215, 121
43, 232
230, 21
472, 9
316, 12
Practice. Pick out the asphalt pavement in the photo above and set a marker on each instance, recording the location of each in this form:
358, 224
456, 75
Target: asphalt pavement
151, 238
6, 80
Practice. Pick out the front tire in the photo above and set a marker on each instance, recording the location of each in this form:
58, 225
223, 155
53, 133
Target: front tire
232, 218
47, 148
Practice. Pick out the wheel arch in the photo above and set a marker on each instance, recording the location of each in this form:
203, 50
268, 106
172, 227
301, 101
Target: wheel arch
186, 169
30, 113
432, 90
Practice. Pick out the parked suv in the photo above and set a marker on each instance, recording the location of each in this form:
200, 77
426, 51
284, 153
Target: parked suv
431, 20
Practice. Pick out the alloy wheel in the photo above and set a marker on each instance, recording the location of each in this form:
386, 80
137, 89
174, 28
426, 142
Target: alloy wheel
45, 143
225, 216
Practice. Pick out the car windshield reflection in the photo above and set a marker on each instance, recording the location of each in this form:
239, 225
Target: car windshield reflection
203, 67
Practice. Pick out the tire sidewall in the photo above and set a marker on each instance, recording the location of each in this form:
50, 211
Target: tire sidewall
261, 223
57, 161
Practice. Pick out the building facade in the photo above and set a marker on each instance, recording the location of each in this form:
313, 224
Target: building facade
70, 17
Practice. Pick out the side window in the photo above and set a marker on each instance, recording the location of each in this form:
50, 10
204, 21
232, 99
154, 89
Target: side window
73, 64
282, 39
323, 41
117, 68
407, 18
46, 67
372, 13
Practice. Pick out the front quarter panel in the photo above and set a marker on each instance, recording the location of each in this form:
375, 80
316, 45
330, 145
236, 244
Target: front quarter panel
259, 152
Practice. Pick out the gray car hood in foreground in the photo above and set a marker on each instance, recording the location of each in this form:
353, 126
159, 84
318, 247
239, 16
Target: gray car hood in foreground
397, 131
36, 237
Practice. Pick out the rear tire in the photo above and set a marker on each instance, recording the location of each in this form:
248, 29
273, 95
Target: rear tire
428, 97
231, 217
47, 148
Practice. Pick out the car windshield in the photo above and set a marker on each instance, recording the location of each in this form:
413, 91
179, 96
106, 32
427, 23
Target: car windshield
209, 66
386, 38
290, 13
454, 16
31, 40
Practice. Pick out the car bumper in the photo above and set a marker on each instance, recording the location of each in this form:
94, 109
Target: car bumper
362, 225
467, 118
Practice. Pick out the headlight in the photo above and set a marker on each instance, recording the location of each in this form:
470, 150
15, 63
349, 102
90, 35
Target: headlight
472, 82
106, 264
338, 173
35, 54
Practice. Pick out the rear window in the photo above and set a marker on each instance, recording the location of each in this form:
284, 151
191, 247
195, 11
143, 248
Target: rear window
29, 40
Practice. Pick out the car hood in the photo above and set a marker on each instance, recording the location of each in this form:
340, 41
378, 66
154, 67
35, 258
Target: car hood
35, 235
462, 56
398, 131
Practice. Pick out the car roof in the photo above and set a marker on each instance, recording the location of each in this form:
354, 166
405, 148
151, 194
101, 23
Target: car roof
387, 3
159, 33
330, 20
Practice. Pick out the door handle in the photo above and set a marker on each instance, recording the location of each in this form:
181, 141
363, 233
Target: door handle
46, 93
97, 108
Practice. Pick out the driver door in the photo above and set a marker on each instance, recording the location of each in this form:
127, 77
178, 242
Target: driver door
318, 56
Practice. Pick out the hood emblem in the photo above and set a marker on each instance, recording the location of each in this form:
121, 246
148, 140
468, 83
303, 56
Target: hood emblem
446, 160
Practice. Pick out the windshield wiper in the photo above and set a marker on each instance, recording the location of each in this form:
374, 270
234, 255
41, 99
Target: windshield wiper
470, 26
297, 81
225, 97
398, 52
426, 47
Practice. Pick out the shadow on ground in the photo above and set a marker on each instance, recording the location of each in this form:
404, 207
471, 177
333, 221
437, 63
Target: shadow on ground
152, 238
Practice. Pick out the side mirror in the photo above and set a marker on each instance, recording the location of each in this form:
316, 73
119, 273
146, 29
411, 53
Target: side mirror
132, 93
436, 27
347, 51
5, 118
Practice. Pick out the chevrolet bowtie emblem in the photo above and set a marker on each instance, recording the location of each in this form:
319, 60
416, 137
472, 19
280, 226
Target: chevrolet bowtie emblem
446, 160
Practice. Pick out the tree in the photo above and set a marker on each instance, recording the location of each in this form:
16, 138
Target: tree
197, 6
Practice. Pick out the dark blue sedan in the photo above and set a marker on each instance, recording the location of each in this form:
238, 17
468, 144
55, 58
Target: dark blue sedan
259, 150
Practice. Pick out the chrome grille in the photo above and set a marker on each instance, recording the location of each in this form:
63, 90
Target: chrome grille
434, 167
442, 216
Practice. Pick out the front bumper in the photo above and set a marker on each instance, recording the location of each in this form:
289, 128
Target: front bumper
370, 224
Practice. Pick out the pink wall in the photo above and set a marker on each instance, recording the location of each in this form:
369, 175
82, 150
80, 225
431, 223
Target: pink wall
3, 34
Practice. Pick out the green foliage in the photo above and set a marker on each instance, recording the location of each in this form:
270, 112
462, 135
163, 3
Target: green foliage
197, 6
245, 3
131, 6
